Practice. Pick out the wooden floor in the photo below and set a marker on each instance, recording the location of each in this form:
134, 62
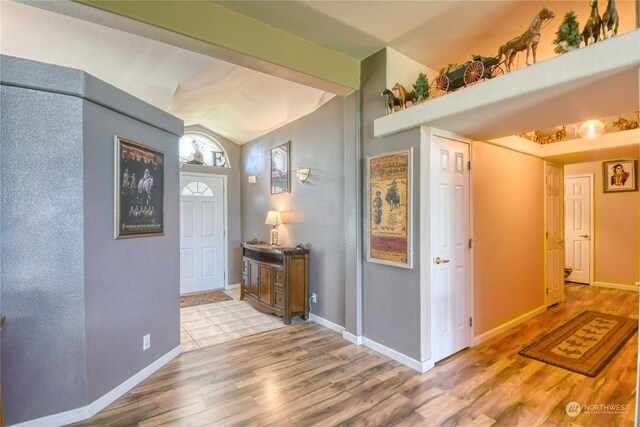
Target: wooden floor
308, 375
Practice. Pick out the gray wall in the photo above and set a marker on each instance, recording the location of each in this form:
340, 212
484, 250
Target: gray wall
77, 301
313, 212
391, 295
132, 286
352, 215
42, 283
233, 174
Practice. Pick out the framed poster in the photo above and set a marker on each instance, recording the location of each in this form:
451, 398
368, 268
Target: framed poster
139, 190
280, 169
389, 205
619, 175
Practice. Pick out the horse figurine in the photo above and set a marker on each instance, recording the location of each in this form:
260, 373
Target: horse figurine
403, 95
624, 124
390, 101
610, 20
593, 25
528, 40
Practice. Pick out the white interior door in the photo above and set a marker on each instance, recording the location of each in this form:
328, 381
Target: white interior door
578, 193
450, 221
202, 233
554, 233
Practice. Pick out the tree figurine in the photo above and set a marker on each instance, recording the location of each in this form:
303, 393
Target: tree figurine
568, 35
420, 91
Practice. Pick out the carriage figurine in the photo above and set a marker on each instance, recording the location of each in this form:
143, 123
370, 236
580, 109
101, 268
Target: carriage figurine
467, 74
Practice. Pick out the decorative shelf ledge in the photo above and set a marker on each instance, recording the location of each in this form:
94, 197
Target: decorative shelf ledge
610, 145
595, 81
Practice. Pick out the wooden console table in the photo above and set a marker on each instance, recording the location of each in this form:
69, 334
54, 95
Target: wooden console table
275, 279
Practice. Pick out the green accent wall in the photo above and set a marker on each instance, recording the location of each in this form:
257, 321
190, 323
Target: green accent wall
212, 23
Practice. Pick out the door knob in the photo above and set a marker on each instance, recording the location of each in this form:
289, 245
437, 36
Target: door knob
439, 260
561, 241
586, 236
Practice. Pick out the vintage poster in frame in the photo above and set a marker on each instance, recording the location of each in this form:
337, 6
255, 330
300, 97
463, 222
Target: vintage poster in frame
139, 190
619, 175
389, 205
280, 169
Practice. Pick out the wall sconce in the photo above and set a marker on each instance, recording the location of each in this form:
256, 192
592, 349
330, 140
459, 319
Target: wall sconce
591, 129
274, 219
252, 179
302, 174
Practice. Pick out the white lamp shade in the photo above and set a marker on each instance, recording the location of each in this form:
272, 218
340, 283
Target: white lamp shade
273, 218
591, 129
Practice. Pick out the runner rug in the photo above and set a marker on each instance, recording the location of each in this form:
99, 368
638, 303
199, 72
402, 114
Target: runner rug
203, 298
585, 344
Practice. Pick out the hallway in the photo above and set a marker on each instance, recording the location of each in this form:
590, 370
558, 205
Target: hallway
307, 374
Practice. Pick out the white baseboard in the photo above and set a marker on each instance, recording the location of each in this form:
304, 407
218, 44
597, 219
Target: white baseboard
397, 356
357, 340
86, 412
326, 323
232, 286
510, 324
616, 286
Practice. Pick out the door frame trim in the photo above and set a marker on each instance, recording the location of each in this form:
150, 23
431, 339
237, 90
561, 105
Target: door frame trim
225, 216
426, 332
592, 266
544, 216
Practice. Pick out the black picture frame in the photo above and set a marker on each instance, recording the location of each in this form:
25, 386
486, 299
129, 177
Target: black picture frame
139, 190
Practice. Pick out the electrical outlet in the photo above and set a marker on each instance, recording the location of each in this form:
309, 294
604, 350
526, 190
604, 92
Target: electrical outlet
146, 342
314, 298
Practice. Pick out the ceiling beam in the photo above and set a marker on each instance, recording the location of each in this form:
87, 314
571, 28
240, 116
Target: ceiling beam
213, 24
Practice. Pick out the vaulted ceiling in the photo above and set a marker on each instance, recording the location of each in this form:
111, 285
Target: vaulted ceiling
241, 103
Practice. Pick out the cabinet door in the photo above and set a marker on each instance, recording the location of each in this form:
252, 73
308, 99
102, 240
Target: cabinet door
254, 279
265, 284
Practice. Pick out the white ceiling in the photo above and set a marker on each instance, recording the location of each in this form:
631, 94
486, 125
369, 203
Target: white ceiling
433, 33
235, 102
241, 104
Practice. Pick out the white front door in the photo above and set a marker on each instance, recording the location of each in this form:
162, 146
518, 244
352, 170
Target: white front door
577, 227
554, 234
202, 233
450, 221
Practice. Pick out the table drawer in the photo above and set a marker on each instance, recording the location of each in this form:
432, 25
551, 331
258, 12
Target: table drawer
278, 298
278, 276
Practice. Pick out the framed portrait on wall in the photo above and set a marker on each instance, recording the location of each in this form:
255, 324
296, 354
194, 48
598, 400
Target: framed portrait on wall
389, 207
280, 172
619, 175
139, 190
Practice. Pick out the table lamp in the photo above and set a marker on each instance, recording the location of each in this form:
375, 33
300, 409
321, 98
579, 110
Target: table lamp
274, 219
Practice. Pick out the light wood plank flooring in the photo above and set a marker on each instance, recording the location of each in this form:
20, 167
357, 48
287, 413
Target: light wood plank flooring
308, 375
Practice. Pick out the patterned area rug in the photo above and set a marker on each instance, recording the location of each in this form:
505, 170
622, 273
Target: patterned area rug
203, 298
585, 344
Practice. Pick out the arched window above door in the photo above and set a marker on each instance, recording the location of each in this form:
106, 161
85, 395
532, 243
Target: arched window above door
197, 188
200, 149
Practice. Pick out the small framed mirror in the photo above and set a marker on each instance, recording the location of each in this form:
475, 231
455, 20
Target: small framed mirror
280, 169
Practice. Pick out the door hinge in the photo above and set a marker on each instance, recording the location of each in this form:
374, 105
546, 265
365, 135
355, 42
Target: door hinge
547, 291
468, 164
470, 321
470, 243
